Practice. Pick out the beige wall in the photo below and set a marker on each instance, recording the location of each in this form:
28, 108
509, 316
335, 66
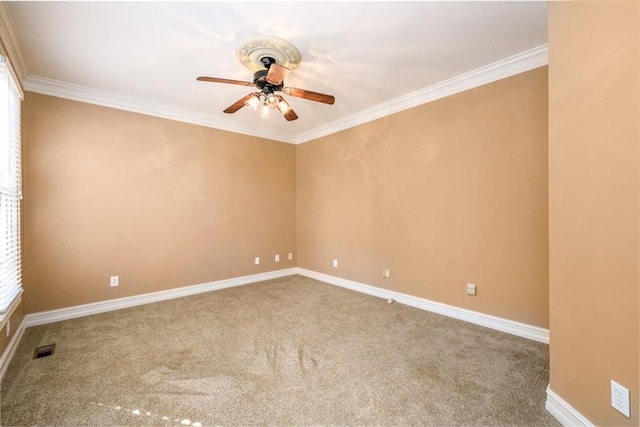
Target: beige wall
162, 204
444, 194
593, 204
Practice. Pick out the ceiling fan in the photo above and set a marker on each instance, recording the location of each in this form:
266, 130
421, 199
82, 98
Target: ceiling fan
265, 55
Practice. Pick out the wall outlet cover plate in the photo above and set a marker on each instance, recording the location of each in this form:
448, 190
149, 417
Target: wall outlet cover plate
620, 398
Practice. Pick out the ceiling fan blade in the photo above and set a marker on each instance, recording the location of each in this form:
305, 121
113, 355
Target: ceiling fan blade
290, 115
218, 80
277, 74
307, 94
238, 104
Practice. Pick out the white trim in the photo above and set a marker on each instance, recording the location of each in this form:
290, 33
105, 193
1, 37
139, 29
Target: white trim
524, 61
563, 412
7, 356
75, 92
504, 325
117, 304
516, 328
10, 40
4, 317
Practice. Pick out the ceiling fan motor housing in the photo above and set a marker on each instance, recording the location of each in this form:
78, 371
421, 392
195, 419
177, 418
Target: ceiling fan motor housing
260, 80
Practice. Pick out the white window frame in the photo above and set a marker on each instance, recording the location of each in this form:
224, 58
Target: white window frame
10, 191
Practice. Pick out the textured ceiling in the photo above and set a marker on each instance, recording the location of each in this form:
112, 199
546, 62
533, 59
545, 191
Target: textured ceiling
366, 54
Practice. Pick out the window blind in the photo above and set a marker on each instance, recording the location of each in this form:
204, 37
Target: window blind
10, 189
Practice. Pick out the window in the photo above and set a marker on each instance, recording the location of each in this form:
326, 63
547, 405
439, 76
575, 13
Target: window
10, 192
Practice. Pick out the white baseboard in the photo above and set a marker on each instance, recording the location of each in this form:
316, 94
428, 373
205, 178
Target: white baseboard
555, 404
564, 412
11, 349
504, 325
117, 304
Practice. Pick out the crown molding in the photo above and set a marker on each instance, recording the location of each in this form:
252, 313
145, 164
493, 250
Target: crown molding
513, 65
9, 39
516, 64
45, 86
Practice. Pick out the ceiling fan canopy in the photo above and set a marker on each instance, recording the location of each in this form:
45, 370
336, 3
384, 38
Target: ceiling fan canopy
271, 59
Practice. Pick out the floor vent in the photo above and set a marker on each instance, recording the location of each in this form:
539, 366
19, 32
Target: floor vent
44, 351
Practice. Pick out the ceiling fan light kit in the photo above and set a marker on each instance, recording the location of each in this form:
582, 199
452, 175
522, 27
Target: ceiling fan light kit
271, 59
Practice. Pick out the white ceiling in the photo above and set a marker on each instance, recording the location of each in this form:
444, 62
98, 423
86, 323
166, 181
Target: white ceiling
374, 57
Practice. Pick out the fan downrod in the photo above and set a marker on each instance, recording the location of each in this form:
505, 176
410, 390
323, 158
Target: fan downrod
267, 61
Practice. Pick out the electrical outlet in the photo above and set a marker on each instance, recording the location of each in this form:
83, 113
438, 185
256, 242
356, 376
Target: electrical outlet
256, 260
335, 263
471, 289
386, 273
620, 398
277, 258
115, 281
290, 257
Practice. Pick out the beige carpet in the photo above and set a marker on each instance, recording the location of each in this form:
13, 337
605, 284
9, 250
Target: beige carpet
291, 351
